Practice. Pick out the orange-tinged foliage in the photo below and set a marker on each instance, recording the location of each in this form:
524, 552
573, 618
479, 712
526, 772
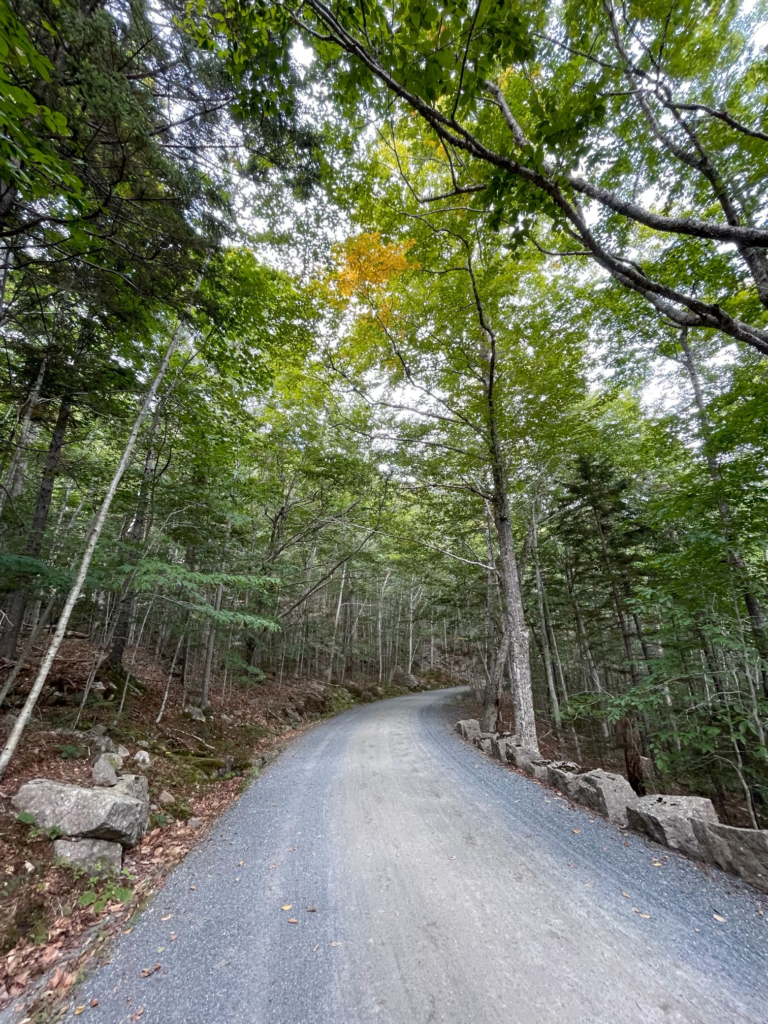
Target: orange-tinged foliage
365, 264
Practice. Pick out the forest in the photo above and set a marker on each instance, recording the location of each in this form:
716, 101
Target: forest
346, 341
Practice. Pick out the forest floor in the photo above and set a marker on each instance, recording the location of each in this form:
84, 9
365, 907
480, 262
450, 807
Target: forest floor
46, 935
383, 869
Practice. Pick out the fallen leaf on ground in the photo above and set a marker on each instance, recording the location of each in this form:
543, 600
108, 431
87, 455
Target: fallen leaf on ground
128, 931
240, 863
576, 831
626, 894
167, 917
315, 948
79, 1010
93, 1002
718, 918
174, 937
286, 906
292, 920
191, 887
335, 943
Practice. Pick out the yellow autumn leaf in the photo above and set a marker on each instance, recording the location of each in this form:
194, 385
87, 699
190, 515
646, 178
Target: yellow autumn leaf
365, 264
287, 906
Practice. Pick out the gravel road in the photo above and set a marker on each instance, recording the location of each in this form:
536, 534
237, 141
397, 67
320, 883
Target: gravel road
430, 884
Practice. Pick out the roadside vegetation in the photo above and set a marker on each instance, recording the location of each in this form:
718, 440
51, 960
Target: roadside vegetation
348, 350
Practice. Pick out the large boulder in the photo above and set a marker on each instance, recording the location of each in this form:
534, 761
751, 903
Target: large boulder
314, 703
468, 728
402, 678
96, 856
529, 761
89, 813
482, 740
669, 820
606, 793
540, 770
564, 775
314, 700
742, 851
499, 747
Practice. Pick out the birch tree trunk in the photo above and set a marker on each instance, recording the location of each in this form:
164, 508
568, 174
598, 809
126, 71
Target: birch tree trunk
94, 533
336, 624
379, 626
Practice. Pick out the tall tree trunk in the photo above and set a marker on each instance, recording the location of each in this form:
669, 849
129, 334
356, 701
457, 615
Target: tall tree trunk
618, 603
545, 651
752, 603
20, 441
336, 624
18, 602
379, 626
583, 638
135, 537
493, 684
209, 649
522, 694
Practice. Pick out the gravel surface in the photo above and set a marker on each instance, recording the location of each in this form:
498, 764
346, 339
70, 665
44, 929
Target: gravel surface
430, 884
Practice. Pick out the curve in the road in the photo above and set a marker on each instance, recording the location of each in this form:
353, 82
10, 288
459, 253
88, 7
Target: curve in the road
429, 884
